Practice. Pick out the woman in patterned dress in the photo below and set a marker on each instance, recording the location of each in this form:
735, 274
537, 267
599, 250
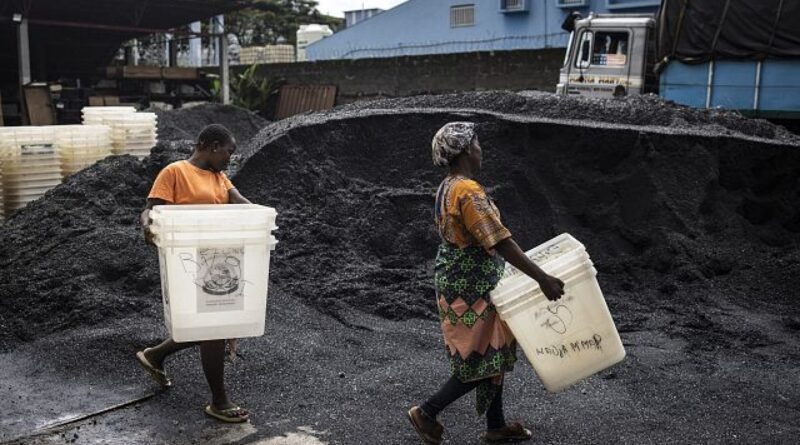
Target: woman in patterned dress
469, 263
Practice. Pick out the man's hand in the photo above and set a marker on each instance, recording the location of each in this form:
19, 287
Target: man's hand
149, 236
145, 220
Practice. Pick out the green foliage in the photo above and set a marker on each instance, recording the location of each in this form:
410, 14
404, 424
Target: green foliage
250, 91
267, 22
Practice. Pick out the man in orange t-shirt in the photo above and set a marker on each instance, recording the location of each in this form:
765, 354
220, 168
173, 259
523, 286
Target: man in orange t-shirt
197, 180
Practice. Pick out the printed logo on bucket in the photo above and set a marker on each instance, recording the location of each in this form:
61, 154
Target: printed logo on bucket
220, 286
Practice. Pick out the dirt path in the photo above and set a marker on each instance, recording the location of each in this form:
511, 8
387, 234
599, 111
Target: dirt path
311, 380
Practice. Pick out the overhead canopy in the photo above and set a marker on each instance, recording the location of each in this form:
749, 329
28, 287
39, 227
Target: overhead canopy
695, 31
74, 37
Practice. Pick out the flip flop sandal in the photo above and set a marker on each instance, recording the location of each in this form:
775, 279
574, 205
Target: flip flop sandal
157, 374
230, 415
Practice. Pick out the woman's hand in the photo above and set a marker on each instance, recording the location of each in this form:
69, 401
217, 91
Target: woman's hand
552, 287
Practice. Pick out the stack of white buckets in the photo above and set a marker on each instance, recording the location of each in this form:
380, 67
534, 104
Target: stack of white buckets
214, 267
80, 146
29, 163
132, 132
565, 340
36, 159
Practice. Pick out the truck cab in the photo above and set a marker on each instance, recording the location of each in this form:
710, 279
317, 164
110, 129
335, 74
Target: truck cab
610, 55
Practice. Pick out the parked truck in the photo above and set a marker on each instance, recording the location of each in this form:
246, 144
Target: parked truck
742, 55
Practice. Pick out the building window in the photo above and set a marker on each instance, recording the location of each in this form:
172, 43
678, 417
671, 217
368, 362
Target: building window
513, 5
462, 15
571, 3
624, 4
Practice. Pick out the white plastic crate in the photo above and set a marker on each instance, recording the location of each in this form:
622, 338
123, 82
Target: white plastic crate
132, 132
80, 146
29, 164
565, 340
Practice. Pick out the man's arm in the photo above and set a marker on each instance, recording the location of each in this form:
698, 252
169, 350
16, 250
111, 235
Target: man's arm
234, 197
144, 218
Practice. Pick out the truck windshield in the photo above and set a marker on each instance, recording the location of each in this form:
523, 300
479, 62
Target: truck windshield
610, 49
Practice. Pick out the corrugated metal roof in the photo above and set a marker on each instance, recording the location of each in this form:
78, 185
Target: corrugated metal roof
72, 50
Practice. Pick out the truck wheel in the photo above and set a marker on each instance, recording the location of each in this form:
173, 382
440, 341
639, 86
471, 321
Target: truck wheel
619, 91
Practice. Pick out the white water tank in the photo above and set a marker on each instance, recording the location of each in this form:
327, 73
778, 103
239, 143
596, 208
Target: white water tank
308, 34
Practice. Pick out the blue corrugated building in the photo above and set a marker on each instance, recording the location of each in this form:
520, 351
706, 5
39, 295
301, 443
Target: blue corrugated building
419, 27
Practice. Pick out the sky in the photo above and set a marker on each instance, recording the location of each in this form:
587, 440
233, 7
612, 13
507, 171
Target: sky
336, 8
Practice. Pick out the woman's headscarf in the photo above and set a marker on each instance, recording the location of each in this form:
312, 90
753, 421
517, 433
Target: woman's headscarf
452, 140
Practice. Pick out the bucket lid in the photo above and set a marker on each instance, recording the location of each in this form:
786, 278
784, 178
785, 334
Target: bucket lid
524, 292
555, 267
513, 288
231, 215
548, 252
107, 109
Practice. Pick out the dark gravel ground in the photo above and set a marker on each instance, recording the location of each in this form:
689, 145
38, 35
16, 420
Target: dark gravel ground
312, 380
693, 228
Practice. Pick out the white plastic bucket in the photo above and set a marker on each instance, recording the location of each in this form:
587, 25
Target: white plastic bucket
80, 146
565, 340
29, 164
214, 263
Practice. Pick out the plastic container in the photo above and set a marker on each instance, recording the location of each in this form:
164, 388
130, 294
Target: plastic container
565, 340
214, 263
133, 134
97, 115
80, 146
29, 164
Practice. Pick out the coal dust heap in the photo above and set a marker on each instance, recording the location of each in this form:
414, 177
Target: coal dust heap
679, 209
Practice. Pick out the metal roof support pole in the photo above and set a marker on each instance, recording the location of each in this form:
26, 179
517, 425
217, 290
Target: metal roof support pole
24, 52
217, 26
167, 38
24, 55
195, 46
132, 53
211, 55
224, 68
172, 47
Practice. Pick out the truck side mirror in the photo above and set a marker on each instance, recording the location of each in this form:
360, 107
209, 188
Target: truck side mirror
569, 21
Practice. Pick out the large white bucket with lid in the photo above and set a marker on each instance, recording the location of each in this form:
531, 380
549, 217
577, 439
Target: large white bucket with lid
214, 263
565, 340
